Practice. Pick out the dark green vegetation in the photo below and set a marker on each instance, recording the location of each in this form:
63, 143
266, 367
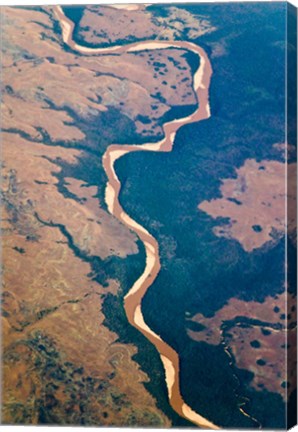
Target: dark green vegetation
200, 272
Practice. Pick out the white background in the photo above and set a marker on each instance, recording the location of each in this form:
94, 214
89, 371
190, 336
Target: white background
24, 2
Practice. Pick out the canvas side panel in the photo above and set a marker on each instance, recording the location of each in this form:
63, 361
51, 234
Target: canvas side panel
292, 213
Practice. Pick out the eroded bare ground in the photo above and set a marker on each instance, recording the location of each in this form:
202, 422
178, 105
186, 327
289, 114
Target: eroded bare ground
255, 203
57, 352
261, 337
38, 71
110, 24
61, 364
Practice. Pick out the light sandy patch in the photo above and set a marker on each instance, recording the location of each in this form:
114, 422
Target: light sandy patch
150, 257
116, 154
95, 50
139, 320
170, 373
150, 263
150, 248
198, 77
172, 136
66, 29
197, 419
110, 197
152, 147
132, 224
150, 46
208, 110
188, 118
128, 7
137, 285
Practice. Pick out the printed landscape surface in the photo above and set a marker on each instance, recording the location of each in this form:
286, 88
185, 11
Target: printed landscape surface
148, 221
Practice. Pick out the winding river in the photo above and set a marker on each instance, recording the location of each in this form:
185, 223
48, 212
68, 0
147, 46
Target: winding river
133, 299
